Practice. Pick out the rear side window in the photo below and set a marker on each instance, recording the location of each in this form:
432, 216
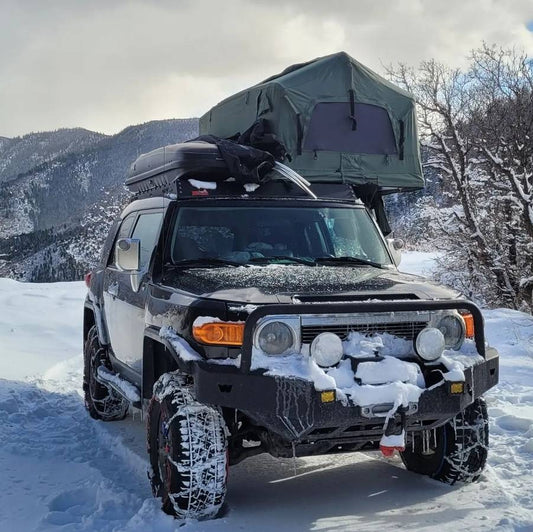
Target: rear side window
332, 128
147, 231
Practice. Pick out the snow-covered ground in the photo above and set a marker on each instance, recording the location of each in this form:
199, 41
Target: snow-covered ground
418, 262
62, 471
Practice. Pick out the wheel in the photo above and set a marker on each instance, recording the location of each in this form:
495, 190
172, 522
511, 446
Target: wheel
457, 452
187, 449
102, 402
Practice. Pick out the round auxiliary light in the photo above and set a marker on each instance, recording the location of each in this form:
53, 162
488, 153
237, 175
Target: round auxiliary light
429, 344
326, 349
275, 338
453, 328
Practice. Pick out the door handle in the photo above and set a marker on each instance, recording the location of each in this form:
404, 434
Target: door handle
112, 289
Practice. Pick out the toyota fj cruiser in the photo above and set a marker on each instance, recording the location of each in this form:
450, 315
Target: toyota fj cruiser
270, 316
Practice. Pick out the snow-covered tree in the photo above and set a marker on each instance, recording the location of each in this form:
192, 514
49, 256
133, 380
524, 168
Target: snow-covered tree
477, 125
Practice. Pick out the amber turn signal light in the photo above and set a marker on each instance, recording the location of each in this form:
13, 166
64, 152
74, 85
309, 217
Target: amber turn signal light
219, 333
469, 324
327, 396
457, 388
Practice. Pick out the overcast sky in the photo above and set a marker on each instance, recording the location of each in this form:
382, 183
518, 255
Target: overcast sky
106, 64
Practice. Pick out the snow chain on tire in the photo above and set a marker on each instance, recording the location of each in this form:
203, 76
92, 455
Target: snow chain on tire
101, 401
187, 449
461, 449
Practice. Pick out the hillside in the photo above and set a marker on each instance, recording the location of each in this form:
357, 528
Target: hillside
60, 190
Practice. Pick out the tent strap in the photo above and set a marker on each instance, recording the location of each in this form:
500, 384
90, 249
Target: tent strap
352, 109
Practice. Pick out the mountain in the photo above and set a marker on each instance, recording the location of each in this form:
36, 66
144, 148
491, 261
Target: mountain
20, 155
60, 191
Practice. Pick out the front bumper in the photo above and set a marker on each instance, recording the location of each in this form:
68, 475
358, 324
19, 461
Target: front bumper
292, 408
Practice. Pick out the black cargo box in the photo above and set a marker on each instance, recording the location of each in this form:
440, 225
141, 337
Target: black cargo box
167, 170
159, 168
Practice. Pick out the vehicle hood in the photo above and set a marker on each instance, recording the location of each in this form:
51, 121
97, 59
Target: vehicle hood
288, 283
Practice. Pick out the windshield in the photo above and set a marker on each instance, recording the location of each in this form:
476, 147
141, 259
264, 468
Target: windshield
267, 234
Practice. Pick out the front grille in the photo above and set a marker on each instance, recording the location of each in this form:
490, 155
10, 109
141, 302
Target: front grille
407, 330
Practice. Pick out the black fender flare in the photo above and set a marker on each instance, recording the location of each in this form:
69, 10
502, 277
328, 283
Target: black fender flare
97, 319
159, 356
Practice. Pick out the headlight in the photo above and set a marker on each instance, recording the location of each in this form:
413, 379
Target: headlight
429, 344
452, 327
326, 349
275, 338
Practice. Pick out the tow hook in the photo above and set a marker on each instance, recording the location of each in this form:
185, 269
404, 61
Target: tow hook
394, 437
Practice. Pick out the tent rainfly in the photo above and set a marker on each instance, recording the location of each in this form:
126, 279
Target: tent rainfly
337, 120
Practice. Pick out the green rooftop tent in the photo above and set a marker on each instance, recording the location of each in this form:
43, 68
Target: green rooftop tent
338, 121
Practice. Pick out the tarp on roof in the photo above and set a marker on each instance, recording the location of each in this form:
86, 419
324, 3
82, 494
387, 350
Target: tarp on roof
338, 121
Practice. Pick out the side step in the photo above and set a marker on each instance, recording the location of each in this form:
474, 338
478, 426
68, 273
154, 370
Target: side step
120, 385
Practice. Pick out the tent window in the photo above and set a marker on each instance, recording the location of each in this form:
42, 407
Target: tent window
331, 129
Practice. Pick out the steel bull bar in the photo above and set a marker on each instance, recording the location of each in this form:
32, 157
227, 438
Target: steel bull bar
293, 410
360, 307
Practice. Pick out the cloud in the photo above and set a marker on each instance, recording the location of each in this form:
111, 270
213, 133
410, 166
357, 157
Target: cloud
107, 64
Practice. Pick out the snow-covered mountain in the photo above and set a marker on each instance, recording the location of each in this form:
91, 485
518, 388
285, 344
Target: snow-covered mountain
21, 155
60, 190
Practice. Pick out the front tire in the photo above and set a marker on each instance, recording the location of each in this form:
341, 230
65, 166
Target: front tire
187, 449
102, 402
458, 450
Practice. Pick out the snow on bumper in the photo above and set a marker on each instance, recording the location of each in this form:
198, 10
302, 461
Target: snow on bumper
293, 408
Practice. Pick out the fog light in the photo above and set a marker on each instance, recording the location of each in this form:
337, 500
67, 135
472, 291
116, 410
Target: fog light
430, 344
326, 349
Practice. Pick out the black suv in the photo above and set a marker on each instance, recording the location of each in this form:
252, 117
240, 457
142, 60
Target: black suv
245, 318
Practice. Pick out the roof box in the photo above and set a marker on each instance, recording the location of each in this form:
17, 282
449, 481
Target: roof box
160, 168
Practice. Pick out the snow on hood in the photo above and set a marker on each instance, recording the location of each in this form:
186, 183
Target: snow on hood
279, 282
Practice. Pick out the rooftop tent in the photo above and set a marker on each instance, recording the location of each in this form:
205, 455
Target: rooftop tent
338, 121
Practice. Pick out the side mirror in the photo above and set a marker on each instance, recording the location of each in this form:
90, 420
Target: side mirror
395, 246
397, 243
127, 254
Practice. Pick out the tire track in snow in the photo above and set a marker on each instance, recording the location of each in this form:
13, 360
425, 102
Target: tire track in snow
91, 481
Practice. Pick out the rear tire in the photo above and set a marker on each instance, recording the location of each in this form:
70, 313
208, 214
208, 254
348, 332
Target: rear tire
101, 402
188, 451
459, 453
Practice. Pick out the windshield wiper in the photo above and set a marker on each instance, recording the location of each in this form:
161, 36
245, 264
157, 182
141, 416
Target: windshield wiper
347, 260
202, 261
298, 260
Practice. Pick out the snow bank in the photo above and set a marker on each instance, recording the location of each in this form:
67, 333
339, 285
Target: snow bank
418, 262
39, 326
